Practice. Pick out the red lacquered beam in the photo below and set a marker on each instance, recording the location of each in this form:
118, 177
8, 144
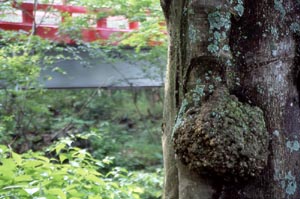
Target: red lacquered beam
50, 32
15, 26
46, 32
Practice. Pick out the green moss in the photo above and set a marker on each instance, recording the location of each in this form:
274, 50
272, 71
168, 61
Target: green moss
219, 27
223, 137
295, 27
278, 5
289, 183
201, 88
293, 145
179, 119
193, 32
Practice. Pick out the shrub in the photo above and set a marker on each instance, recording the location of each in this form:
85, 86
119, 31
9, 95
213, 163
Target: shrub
72, 173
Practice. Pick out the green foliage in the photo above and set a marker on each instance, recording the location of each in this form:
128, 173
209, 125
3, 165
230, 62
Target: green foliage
129, 131
137, 11
123, 126
20, 57
133, 148
72, 26
33, 116
71, 173
147, 12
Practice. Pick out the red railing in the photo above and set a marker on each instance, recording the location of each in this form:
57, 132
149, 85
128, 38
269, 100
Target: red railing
100, 31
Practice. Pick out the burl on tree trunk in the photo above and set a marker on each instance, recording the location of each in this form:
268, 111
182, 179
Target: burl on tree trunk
232, 110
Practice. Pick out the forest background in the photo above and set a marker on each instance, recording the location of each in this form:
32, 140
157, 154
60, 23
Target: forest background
80, 143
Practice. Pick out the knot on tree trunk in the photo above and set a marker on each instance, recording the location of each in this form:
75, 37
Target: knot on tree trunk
223, 137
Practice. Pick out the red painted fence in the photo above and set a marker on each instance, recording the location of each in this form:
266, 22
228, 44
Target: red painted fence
100, 32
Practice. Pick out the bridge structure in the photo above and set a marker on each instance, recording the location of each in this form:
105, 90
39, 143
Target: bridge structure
28, 16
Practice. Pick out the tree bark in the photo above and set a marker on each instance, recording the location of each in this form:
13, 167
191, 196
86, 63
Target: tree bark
264, 54
267, 72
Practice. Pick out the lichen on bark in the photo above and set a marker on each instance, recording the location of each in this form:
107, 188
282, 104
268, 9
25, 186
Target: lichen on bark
223, 137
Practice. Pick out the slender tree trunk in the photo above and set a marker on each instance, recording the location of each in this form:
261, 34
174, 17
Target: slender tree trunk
260, 68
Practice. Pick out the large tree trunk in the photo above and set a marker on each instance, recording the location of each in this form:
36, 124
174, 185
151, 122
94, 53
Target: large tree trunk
260, 69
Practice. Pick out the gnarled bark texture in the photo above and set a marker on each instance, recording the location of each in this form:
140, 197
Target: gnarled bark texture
257, 58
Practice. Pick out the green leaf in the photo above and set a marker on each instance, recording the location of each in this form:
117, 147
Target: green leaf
13, 187
95, 179
57, 192
95, 197
31, 191
138, 190
59, 147
75, 194
17, 158
23, 178
62, 157
32, 164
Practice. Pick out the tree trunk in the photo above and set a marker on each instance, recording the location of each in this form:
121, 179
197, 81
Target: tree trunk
251, 48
